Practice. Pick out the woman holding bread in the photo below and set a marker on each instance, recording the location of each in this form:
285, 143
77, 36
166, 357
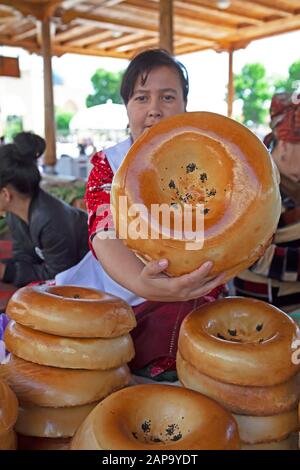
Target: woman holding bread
154, 86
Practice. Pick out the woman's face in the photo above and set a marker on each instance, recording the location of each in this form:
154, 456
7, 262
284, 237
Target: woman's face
287, 158
161, 96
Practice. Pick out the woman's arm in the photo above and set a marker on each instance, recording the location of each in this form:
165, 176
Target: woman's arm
122, 265
148, 281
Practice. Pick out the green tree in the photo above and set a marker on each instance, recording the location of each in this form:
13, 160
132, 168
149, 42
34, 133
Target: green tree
14, 125
62, 119
292, 82
255, 89
106, 86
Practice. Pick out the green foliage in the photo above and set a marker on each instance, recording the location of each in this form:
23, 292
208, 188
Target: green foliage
3, 226
65, 191
62, 119
292, 82
13, 126
255, 89
106, 86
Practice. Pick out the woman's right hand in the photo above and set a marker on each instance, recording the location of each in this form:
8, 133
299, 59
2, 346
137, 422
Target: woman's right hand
153, 284
149, 281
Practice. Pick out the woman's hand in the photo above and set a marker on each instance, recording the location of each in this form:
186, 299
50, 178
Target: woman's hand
149, 281
152, 284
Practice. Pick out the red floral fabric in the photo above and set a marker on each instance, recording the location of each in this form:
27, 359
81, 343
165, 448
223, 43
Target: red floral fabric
285, 118
97, 196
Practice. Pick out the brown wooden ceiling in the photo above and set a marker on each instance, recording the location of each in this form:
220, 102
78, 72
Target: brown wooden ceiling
120, 28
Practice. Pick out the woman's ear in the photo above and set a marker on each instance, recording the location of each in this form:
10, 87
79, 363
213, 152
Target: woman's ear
6, 195
279, 152
282, 149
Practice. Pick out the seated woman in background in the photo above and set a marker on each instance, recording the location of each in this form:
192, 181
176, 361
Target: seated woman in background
48, 235
275, 278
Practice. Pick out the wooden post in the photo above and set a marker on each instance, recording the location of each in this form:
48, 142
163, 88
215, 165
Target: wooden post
50, 154
166, 25
230, 94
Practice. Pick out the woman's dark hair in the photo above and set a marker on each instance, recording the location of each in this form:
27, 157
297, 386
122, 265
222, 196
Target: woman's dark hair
270, 141
142, 65
18, 163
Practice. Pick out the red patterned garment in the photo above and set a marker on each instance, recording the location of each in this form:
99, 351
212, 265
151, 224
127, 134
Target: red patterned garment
285, 118
275, 277
97, 195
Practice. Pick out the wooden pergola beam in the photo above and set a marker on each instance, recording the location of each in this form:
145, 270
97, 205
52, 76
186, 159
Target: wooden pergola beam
275, 27
59, 50
196, 11
50, 153
92, 38
124, 39
187, 48
247, 8
25, 34
150, 42
112, 3
134, 10
166, 25
75, 32
39, 10
119, 24
104, 22
230, 95
282, 5
70, 3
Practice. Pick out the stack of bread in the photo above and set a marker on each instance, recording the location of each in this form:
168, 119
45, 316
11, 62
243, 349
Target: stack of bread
8, 417
69, 349
240, 352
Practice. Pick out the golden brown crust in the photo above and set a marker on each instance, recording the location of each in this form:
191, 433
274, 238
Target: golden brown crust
74, 353
195, 158
256, 401
260, 429
71, 311
8, 407
52, 386
291, 443
42, 443
8, 440
39, 421
240, 341
157, 417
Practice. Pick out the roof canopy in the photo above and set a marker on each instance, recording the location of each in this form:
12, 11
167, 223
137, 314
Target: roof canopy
120, 28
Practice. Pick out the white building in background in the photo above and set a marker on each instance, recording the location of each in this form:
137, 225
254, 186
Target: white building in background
24, 96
